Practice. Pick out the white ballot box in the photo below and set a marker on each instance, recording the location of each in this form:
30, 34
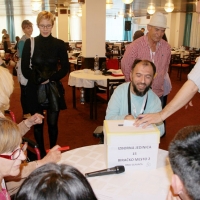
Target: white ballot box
134, 147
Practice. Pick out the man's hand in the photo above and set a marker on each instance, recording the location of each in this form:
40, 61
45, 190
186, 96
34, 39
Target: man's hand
129, 117
147, 119
34, 119
54, 155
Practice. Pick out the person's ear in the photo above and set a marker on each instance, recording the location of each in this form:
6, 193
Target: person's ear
177, 184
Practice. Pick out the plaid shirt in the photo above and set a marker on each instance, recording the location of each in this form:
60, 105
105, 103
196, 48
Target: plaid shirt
139, 49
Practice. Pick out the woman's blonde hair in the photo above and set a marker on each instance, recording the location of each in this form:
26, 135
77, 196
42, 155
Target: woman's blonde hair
45, 15
10, 137
6, 88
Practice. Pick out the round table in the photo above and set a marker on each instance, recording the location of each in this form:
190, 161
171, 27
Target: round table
139, 185
85, 78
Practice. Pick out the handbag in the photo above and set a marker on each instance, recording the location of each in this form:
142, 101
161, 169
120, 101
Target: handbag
20, 76
52, 95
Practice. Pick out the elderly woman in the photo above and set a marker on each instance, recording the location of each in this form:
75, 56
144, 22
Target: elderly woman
6, 89
11, 154
49, 65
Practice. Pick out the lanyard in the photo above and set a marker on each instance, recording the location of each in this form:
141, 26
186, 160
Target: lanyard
129, 101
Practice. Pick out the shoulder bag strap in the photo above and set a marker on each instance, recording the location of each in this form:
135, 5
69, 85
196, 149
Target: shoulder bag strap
32, 49
129, 101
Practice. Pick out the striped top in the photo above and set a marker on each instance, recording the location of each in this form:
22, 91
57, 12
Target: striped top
139, 49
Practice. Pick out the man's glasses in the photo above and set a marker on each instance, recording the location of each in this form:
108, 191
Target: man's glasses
15, 154
47, 26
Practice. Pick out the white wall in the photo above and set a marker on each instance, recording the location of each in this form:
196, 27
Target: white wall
114, 28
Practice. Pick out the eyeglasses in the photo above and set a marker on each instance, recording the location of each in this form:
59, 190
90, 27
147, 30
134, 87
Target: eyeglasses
47, 26
15, 154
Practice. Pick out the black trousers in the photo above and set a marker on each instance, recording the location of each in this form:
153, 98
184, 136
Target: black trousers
52, 122
24, 101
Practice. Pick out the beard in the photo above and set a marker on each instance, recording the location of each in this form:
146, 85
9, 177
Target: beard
141, 93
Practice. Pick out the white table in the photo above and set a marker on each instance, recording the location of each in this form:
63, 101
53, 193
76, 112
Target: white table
86, 80
130, 185
181, 52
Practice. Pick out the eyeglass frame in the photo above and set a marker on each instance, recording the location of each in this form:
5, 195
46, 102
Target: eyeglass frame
47, 26
23, 148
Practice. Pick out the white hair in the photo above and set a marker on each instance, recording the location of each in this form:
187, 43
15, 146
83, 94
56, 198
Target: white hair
6, 88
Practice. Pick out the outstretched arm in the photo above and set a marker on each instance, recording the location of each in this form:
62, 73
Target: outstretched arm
188, 90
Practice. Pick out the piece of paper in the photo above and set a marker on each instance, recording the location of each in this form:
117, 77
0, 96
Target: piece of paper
129, 122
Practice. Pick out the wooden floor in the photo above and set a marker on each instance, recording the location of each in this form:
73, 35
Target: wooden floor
76, 127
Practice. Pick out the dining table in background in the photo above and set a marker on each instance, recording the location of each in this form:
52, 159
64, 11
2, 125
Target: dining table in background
132, 184
181, 52
85, 79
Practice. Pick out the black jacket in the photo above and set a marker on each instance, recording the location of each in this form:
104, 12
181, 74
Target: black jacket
48, 51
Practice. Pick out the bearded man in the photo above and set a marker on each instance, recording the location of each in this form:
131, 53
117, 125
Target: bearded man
133, 98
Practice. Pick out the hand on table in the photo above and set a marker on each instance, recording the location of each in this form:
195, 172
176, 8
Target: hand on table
34, 119
147, 119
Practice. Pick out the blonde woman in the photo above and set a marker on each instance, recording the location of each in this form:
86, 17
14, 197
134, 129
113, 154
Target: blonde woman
11, 155
49, 65
6, 89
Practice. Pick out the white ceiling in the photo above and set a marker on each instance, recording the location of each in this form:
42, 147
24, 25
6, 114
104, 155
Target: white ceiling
139, 7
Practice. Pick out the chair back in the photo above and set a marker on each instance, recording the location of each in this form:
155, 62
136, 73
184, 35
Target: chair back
112, 64
107, 91
175, 59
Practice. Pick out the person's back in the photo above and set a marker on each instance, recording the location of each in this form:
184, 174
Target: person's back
184, 156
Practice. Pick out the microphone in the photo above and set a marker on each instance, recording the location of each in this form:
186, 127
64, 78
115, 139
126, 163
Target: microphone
114, 170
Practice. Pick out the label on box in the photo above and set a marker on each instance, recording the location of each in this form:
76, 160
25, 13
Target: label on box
133, 156
134, 147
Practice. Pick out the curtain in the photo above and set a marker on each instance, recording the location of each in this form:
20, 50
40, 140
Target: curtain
10, 19
195, 32
187, 31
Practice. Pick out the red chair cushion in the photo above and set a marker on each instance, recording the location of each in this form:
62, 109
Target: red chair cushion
112, 64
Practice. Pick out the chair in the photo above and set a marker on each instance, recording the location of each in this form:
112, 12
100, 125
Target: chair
179, 63
193, 56
78, 45
33, 152
78, 65
106, 91
115, 51
112, 64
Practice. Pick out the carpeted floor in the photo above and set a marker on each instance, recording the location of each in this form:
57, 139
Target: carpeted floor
76, 127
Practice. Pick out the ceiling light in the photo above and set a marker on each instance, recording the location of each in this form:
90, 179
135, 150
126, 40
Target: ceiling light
151, 9
109, 4
36, 5
127, 1
169, 7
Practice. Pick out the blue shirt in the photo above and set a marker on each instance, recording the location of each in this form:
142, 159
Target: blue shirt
20, 45
118, 105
